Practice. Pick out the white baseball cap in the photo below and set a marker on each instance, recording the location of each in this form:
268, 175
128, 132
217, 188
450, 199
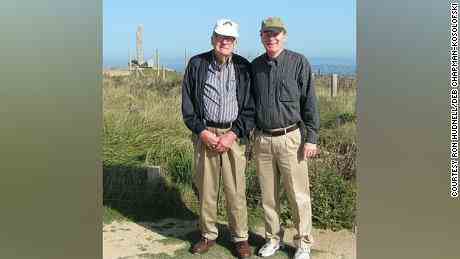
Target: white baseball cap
226, 27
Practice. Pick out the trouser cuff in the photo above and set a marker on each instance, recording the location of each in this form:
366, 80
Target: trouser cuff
303, 242
209, 236
240, 238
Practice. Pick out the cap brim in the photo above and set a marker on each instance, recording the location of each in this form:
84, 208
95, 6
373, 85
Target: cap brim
226, 34
273, 29
223, 34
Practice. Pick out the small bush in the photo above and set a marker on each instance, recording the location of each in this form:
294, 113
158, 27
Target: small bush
347, 117
253, 194
180, 168
333, 200
334, 120
338, 150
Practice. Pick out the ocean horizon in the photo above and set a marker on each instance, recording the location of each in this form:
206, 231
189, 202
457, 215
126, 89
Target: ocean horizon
341, 66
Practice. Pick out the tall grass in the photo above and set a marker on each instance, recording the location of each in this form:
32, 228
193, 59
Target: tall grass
143, 126
338, 133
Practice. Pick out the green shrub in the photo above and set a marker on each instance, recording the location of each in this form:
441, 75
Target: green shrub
347, 117
253, 194
338, 151
180, 168
336, 119
333, 200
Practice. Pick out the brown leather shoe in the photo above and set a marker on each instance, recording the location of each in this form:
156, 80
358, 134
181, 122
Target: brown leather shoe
243, 250
202, 246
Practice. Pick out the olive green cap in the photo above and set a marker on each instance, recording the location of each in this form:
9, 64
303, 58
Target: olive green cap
273, 24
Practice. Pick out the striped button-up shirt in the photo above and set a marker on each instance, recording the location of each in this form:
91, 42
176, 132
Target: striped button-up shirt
220, 103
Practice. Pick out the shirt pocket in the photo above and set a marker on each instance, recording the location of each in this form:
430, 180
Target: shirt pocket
289, 92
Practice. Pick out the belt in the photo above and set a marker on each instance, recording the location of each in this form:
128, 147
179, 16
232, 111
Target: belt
219, 125
280, 132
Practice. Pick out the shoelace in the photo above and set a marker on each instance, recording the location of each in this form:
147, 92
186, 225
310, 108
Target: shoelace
269, 244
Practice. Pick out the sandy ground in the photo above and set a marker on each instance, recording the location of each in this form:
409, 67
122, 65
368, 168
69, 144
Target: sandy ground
330, 245
129, 240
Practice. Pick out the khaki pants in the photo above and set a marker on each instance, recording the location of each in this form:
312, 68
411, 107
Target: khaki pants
277, 157
208, 167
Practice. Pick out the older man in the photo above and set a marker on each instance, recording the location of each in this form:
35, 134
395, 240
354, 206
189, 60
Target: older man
218, 108
285, 102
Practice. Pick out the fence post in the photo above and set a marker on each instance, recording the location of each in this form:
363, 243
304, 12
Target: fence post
154, 173
158, 64
334, 81
185, 58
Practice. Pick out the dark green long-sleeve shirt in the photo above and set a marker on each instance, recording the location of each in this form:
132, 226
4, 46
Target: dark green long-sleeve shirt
284, 93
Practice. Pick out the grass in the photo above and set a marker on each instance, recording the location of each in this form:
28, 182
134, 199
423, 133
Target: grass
110, 215
143, 126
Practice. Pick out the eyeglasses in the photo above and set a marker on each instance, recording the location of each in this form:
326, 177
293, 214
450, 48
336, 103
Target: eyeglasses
225, 38
267, 34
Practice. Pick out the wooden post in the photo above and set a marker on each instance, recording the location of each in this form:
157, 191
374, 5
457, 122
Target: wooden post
129, 60
164, 74
334, 81
139, 44
185, 58
154, 173
158, 64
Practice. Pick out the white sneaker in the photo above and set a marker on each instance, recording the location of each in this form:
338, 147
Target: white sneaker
269, 248
302, 253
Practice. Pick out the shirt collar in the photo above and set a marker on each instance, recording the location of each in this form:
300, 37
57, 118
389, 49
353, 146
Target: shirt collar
216, 65
276, 60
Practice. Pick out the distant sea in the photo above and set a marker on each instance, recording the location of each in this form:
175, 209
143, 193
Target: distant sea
347, 70
341, 69
323, 65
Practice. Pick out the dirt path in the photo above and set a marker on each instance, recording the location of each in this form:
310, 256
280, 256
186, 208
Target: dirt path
170, 238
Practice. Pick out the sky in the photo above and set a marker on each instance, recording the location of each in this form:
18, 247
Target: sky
325, 29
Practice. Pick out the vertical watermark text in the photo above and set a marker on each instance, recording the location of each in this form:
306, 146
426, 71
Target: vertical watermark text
454, 100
